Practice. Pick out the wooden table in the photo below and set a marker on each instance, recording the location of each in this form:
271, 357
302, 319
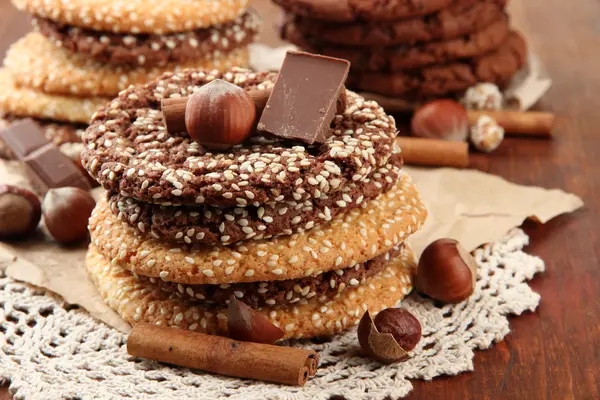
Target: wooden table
553, 353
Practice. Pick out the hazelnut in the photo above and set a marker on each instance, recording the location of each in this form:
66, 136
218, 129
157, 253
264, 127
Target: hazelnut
66, 213
446, 272
441, 119
389, 338
20, 212
483, 96
220, 115
248, 325
486, 134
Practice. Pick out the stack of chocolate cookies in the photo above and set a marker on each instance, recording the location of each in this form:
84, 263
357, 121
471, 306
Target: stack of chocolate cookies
413, 50
83, 54
310, 235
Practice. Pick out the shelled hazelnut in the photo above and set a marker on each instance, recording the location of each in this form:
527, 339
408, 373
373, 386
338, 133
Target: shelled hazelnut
446, 272
66, 213
20, 212
390, 336
483, 96
486, 134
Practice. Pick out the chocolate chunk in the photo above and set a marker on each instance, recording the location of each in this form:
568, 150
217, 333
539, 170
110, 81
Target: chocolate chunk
304, 98
48, 168
23, 137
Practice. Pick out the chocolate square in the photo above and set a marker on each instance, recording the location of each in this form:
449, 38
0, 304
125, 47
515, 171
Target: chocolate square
23, 137
304, 99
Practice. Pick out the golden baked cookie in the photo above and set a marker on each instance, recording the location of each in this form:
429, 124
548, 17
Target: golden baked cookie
39, 64
350, 238
142, 301
24, 102
136, 16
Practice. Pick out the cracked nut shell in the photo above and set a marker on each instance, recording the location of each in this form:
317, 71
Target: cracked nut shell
248, 325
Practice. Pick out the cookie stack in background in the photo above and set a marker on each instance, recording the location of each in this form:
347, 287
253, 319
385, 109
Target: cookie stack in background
412, 50
311, 235
84, 53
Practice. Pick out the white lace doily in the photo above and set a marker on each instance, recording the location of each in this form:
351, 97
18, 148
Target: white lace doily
49, 350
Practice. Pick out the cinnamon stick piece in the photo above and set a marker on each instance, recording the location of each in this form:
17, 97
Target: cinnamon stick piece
433, 152
174, 108
220, 355
530, 123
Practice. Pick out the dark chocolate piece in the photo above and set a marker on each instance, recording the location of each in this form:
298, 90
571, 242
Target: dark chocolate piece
48, 168
304, 98
23, 137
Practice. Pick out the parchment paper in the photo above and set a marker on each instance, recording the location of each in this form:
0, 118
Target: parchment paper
481, 214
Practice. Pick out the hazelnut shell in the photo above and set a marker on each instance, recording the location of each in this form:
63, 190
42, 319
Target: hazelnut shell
20, 212
248, 325
220, 115
66, 213
441, 119
446, 272
380, 346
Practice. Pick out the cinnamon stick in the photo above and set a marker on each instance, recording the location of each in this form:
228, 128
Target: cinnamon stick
220, 355
530, 123
174, 108
433, 152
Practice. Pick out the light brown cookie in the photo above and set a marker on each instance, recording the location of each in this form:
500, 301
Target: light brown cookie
136, 16
142, 301
47, 68
24, 102
350, 238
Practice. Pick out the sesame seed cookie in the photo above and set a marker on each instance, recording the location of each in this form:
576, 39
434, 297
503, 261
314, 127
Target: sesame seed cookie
24, 102
137, 300
350, 238
322, 287
50, 69
154, 166
214, 225
353, 10
460, 18
496, 67
151, 49
136, 16
406, 57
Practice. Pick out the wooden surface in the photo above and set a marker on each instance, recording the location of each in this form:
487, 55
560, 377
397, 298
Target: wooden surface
553, 353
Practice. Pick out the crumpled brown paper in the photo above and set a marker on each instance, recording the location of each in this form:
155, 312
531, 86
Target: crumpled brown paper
483, 213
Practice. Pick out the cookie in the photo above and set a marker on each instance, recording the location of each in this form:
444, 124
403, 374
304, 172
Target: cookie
460, 18
349, 239
43, 66
151, 49
24, 102
496, 67
137, 300
407, 57
213, 225
141, 160
136, 16
353, 10
323, 287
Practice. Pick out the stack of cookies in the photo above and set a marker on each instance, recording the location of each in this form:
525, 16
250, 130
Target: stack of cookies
413, 50
310, 235
83, 54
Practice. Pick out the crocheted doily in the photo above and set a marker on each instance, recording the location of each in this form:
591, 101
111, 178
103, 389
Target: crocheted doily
50, 350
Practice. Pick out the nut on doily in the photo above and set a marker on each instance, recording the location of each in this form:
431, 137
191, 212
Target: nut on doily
486, 134
66, 213
390, 336
446, 272
441, 119
20, 212
483, 96
220, 115
248, 325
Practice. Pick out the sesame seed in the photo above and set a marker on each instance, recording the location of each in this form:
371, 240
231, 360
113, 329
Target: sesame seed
208, 272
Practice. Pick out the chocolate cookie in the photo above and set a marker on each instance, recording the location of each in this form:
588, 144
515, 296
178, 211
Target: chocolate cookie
322, 287
353, 10
496, 67
129, 151
407, 57
151, 49
213, 225
460, 18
